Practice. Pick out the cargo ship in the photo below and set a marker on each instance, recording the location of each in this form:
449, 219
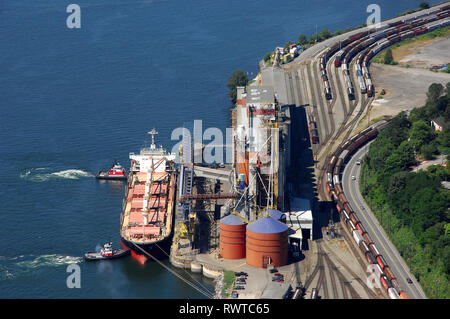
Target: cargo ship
148, 207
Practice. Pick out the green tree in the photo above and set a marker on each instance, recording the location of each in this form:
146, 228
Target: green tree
287, 45
424, 5
420, 134
302, 39
388, 58
238, 78
325, 34
401, 158
435, 90
267, 56
427, 151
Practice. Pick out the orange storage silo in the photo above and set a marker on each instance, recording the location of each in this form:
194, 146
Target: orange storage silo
232, 237
267, 243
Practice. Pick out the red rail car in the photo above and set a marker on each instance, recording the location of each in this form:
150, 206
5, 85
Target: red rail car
360, 228
354, 218
381, 261
385, 283
348, 208
420, 31
339, 207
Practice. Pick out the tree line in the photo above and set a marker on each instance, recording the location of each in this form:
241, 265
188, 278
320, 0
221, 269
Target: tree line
413, 207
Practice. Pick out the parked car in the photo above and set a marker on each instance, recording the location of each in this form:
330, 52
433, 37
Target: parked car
239, 287
274, 270
238, 274
409, 280
234, 294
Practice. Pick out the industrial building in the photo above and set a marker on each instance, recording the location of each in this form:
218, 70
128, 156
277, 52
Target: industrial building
261, 146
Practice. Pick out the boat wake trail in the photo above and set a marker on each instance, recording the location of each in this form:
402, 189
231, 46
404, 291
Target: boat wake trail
42, 175
49, 261
11, 267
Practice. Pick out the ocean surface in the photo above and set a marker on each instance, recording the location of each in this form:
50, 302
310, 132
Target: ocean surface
73, 100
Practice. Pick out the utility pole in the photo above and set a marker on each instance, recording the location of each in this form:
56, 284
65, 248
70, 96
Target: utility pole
317, 35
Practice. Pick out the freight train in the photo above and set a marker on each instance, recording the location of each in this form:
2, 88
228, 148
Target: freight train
348, 216
313, 130
365, 45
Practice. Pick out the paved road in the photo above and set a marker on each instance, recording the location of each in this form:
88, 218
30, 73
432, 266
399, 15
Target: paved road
376, 232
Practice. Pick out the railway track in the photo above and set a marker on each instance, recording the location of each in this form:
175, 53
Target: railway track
344, 126
326, 111
325, 267
313, 87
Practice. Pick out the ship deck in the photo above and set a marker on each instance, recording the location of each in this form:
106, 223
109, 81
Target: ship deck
160, 197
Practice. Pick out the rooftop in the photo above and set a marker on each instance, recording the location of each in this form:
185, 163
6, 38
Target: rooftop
260, 94
267, 225
442, 122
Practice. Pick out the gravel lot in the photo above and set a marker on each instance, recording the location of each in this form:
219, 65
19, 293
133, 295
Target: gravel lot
405, 87
434, 53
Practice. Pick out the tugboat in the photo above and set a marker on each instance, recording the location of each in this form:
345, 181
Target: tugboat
107, 253
117, 172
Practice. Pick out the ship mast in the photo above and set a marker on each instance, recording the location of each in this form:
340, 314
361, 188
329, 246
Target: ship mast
153, 132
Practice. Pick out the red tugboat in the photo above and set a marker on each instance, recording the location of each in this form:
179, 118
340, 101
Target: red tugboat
116, 172
107, 253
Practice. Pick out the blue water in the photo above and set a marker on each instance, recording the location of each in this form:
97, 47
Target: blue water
72, 100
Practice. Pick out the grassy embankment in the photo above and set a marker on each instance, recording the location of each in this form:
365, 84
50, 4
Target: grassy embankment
228, 281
